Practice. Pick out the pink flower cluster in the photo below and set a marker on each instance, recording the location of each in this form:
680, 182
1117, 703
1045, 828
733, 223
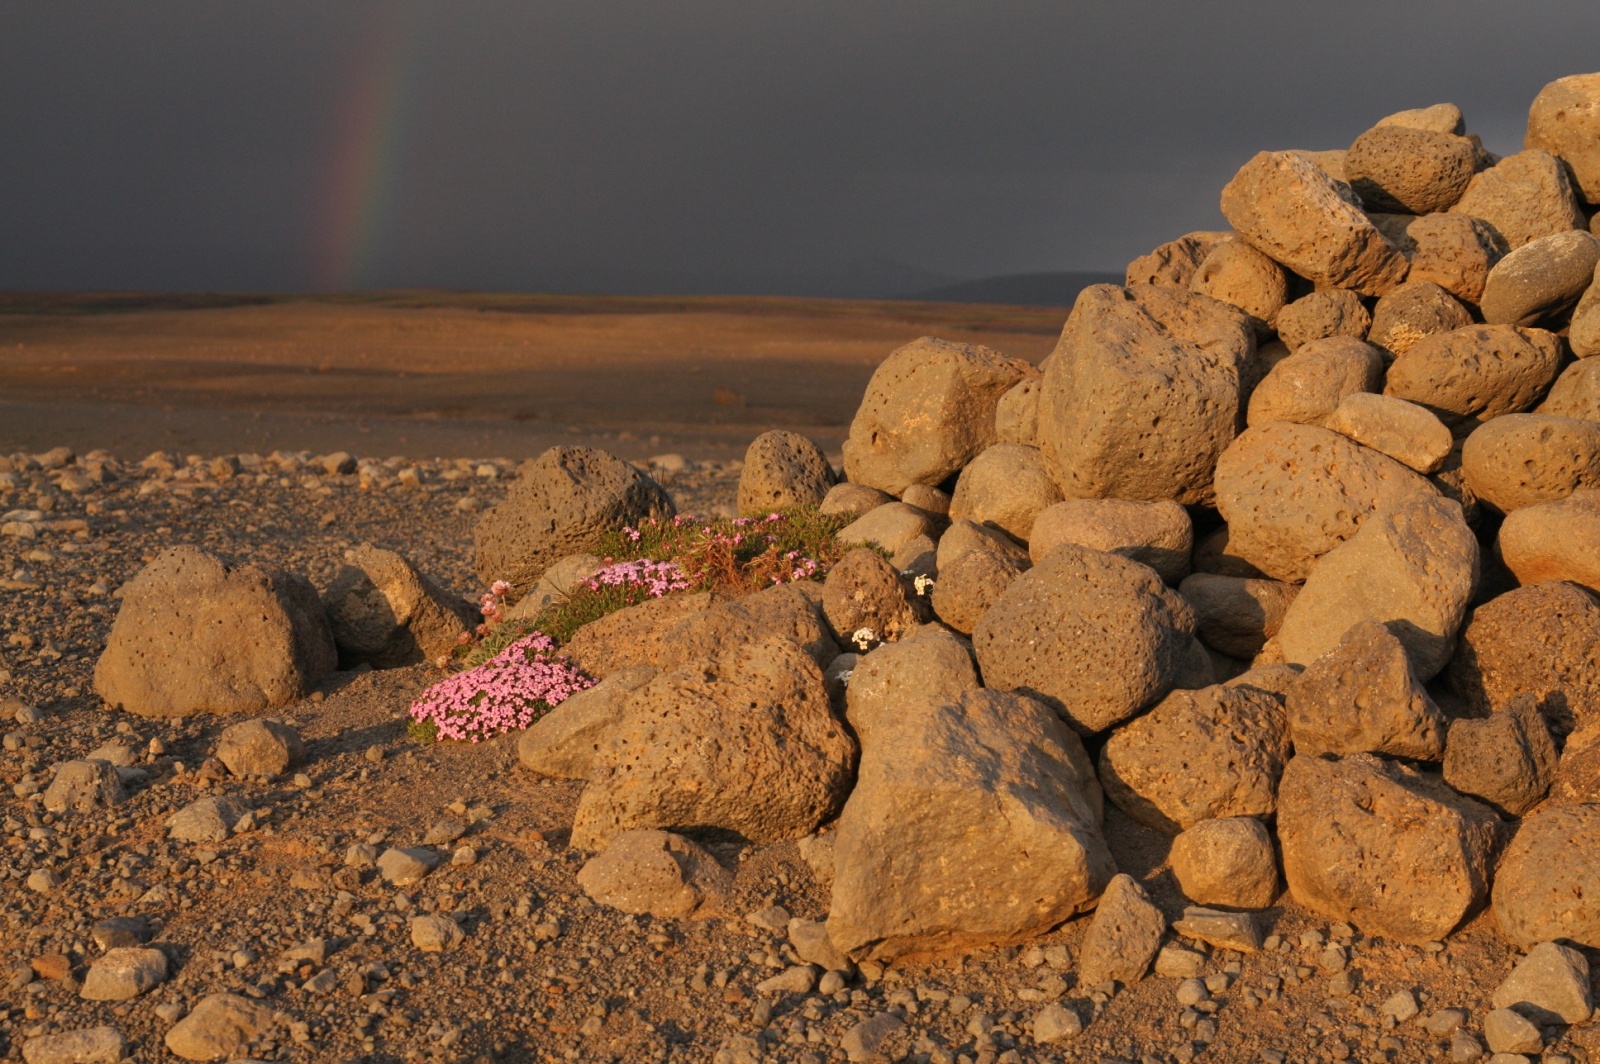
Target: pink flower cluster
493, 605
657, 578
509, 691
801, 567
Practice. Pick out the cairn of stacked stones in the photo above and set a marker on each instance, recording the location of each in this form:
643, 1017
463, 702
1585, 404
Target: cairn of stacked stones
1290, 551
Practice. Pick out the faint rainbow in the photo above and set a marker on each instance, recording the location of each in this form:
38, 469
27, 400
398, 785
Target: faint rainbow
365, 164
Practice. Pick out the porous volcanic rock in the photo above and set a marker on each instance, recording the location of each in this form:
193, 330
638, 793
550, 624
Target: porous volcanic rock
1416, 171
219, 1026
1016, 416
1239, 275
1290, 493
1412, 566
260, 747
975, 821
1228, 862
1524, 196
1523, 459
928, 411
659, 873
1558, 540
1236, 615
1564, 120
1173, 264
1157, 534
971, 586
563, 743
1388, 849
1094, 635
1362, 697
562, 503
863, 592
1507, 758
1410, 313
1541, 279
1471, 375
894, 526
1576, 393
1123, 935
1198, 755
1404, 431
964, 537
782, 470
1543, 640
1299, 216
853, 500
1308, 386
632, 636
1323, 313
747, 743
386, 613
1547, 886
194, 635
1454, 251
930, 662
790, 611
1583, 335
1005, 487
1143, 391
83, 787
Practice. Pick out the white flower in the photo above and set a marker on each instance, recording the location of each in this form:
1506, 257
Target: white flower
863, 637
924, 584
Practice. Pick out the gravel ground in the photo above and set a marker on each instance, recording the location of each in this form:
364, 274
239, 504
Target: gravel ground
543, 973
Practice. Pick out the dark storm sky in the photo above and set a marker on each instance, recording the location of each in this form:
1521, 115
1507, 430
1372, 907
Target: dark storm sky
735, 145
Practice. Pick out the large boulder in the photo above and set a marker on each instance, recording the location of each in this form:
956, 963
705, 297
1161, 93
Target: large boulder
1507, 758
386, 613
659, 873
1287, 207
1415, 171
562, 503
1412, 566
1095, 636
1321, 314
1410, 313
1454, 251
1387, 848
1541, 279
1142, 393
1236, 615
1548, 885
1565, 121
1542, 640
1404, 431
564, 742
1158, 534
1362, 698
197, 636
782, 470
1524, 196
1005, 487
1471, 375
975, 821
894, 526
1557, 540
1290, 493
1576, 393
1198, 755
747, 743
1523, 459
965, 537
928, 410
931, 662
1308, 386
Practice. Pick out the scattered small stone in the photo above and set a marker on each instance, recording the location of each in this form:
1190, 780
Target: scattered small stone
124, 973
799, 979
218, 1027
1508, 1031
404, 867
92, 1045
1550, 985
1056, 1023
435, 934
43, 880
862, 1041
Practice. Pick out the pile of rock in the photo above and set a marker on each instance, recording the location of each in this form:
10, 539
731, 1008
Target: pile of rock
1296, 534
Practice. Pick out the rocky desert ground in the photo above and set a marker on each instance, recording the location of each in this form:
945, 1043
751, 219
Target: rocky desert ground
1223, 685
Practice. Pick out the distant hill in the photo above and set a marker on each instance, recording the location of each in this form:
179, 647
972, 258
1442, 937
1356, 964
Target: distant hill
1026, 289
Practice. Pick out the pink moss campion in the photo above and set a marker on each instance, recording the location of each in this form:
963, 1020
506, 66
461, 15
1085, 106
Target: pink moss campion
508, 692
656, 578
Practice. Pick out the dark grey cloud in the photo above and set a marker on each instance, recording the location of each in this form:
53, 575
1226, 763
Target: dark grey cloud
713, 146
